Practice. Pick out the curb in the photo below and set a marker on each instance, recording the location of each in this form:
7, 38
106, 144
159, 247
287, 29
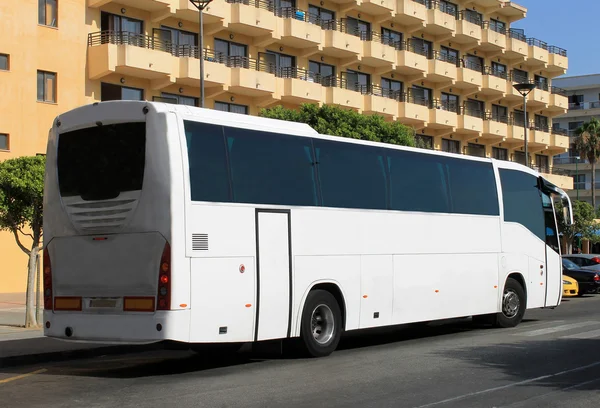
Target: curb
37, 358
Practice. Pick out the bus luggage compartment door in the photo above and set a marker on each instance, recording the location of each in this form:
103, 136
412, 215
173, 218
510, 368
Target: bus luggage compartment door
274, 275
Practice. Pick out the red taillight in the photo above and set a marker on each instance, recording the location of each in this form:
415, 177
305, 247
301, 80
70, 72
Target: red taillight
596, 277
595, 260
164, 280
47, 281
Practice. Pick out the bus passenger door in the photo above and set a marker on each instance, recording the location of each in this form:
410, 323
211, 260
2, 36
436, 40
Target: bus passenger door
553, 260
273, 274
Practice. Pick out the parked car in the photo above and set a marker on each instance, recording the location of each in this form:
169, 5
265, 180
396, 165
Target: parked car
570, 286
588, 280
588, 261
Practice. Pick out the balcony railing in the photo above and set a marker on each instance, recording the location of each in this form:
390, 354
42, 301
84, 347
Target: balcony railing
262, 4
129, 38
443, 56
558, 91
517, 35
474, 66
569, 160
450, 106
556, 50
494, 27
469, 16
469, 111
387, 93
495, 72
560, 132
584, 105
496, 118
537, 43
443, 7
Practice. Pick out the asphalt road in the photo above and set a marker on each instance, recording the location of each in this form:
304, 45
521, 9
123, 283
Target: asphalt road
551, 360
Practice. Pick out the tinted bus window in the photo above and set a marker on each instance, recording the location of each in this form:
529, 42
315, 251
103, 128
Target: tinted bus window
522, 201
270, 168
472, 187
209, 179
418, 182
351, 176
100, 162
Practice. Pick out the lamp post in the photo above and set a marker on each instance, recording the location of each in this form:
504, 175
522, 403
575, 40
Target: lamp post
524, 90
201, 5
577, 176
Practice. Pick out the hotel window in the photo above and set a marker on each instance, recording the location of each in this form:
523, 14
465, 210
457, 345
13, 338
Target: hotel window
177, 99
4, 62
48, 13
231, 107
499, 153
4, 145
110, 92
46, 86
450, 146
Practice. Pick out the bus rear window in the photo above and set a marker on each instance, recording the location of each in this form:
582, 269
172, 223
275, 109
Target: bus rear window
100, 162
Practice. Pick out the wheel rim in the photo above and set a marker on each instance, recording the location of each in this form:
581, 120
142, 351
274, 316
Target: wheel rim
322, 324
510, 303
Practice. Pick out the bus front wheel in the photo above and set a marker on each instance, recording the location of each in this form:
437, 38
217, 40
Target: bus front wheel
321, 326
513, 304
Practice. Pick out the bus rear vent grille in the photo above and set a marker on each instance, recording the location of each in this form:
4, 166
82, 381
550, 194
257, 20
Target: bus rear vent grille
200, 242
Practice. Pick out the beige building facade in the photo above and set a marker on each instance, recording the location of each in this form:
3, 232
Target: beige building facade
445, 68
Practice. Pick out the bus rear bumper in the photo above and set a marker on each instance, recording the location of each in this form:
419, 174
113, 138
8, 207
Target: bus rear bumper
138, 328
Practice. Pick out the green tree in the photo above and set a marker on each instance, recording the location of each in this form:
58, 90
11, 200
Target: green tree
336, 121
588, 145
21, 209
583, 223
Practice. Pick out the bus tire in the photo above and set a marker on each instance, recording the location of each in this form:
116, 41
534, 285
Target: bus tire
514, 303
321, 325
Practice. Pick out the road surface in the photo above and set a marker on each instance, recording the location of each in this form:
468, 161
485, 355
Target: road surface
551, 360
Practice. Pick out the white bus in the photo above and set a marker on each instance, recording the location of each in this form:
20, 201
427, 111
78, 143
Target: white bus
170, 222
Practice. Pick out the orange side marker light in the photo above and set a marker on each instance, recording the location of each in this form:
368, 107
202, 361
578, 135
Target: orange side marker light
248, 305
183, 305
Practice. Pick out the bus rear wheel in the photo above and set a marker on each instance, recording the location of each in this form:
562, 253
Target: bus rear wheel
321, 325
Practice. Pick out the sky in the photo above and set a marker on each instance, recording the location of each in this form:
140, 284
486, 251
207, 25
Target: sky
568, 24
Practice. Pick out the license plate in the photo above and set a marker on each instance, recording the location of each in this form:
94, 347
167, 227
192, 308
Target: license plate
103, 303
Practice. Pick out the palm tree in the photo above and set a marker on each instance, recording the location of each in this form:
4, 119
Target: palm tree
588, 145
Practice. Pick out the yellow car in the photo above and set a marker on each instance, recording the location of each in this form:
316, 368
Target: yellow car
570, 286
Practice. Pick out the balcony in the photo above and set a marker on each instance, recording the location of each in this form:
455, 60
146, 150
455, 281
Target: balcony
470, 121
216, 71
443, 115
129, 54
468, 28
298, 29
340, 40
378, 51
493, 38
411, 60
538, 55
410, 12
215, 12
494, 82
299, 86
539, 98
339, 92
538, 135
250, 77
413, 110
376, 7
516, 46
144, 5
558, 61
440, 20
442, 68
558, 100
495, 127
252, 17
560, 141
469, 76
516, 132
382, 102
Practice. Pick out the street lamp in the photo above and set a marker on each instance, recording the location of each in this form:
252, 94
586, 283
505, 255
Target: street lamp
577, 175
524, 90
201, 5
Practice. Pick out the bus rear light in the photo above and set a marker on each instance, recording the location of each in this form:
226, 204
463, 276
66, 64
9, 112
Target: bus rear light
71, 303
596, 277
138, 304
164, 280
47, 280
595, 260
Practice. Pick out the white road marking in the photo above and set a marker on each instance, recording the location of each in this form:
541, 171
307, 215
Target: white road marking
555, 329
584, 335
543, 377
515, 404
